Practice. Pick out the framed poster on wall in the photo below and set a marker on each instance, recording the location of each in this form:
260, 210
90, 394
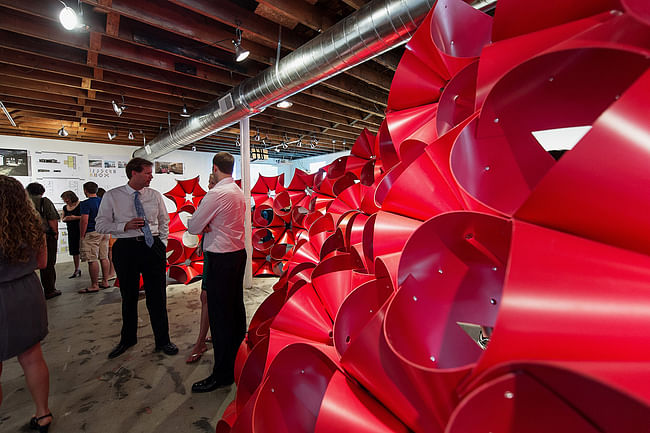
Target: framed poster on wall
14, 162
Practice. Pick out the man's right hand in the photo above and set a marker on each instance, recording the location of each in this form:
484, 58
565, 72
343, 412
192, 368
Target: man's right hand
134, 224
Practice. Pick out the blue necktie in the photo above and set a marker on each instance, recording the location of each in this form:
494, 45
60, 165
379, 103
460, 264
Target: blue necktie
139, 210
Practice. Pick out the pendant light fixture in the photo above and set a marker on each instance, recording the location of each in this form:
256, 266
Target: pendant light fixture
184, 111
68, 18
240, 53
62, 132
285, 104
112, 135
118, 109
130, 136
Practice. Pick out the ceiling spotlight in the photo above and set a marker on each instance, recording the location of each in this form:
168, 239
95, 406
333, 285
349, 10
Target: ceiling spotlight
277, 149
285, 104
130, 135
256, 137
193, 148
184, 112
299, 144
240, 53
312, 145
237, 142
118, 108
112, 135
68, 18
62, 132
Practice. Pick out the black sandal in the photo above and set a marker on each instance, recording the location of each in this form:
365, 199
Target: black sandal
34, 425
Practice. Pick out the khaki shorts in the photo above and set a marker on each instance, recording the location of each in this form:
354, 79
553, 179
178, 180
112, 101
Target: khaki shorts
94, 246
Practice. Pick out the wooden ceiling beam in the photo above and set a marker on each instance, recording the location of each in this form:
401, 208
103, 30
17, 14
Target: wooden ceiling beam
178, 20
228, 13
357, 89
313, 17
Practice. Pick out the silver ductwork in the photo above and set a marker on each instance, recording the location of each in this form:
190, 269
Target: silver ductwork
375, 28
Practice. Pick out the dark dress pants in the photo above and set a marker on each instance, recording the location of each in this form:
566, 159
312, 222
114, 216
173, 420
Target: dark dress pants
48, 274
131, 258
225, 288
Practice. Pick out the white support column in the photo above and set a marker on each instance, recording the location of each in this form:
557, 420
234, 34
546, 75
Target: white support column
244, 139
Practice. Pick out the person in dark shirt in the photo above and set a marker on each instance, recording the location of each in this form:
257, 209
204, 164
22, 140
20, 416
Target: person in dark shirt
94, 245
50, 222
71, 218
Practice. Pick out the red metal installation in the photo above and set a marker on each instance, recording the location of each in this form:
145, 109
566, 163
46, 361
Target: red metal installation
449, 275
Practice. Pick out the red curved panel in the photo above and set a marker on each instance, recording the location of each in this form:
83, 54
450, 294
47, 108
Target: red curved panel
303, 314
282, 205
364, 145
417, 123
267, 310
386, 233
385, 147
553, 273
364, 353
260, 221
332, 281
514, 19
457, 100
252, 374
346, 407
578, 204
523, 404
292, 393
344, 164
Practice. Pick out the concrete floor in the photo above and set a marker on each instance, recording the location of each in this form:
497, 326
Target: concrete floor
138, 392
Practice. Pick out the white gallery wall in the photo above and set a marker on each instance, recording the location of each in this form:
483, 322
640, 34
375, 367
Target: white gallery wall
62, 165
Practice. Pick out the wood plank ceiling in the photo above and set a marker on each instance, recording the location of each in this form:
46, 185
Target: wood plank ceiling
159, 55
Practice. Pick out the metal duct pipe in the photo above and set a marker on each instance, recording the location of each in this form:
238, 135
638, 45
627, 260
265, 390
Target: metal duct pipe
375, 28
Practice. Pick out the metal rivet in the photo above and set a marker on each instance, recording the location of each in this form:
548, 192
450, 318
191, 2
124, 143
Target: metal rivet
494, 269
469, 236
617, 97
272, 389
432, 358
440, 271
508, 394
371, 311
347, 339
415, 298
452, 42
551, 79
487, 168
496, 120
302, 371
493, 301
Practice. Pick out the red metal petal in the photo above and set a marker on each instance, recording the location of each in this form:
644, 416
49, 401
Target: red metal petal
291, 395
346, 407
252, 374
571, 203
364, 145
303, 315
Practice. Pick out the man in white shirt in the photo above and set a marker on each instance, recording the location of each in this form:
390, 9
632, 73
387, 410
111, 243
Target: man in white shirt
220, 216
137, 217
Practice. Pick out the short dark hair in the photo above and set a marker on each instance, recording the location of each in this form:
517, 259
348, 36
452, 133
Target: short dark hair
70, 195
137, 165
90, 187
224, 161
35, 188
100, 192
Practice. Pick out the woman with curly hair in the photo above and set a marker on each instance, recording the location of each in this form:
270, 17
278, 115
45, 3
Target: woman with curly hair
23, 316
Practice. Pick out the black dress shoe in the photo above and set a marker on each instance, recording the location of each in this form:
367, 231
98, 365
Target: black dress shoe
168, 349
52, 294
210, 384
119, 349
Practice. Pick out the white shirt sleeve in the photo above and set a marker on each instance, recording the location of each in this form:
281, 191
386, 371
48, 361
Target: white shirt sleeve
105, 219
163, 220
204, 213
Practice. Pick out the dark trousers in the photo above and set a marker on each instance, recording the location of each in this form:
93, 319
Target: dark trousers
48, 274
132, 258
225, 286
